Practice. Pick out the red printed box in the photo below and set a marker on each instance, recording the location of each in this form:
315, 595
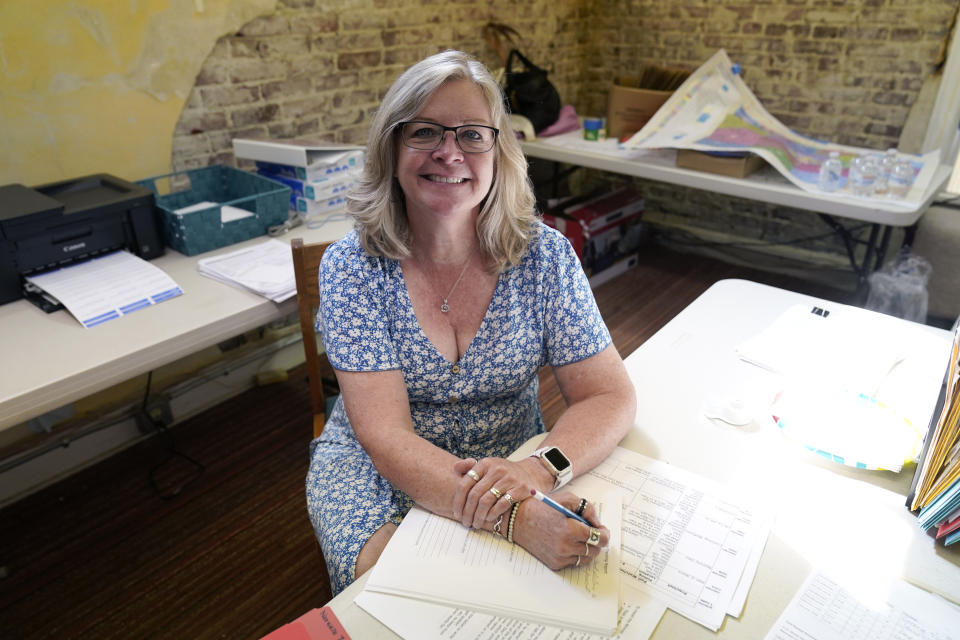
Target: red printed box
601, 229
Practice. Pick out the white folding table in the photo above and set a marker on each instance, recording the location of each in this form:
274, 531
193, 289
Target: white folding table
828, 516
50, 360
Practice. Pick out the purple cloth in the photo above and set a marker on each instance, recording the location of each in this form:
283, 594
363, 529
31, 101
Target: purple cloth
566, 121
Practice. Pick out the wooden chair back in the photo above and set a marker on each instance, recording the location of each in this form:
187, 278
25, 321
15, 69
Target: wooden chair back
306, 263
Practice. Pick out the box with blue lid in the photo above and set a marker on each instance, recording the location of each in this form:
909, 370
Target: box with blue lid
212, 207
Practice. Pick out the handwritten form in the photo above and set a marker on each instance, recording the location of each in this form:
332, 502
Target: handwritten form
107, 287
438, 560
824, 610
684, 541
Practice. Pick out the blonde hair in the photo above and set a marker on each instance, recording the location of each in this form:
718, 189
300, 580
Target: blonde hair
507, 215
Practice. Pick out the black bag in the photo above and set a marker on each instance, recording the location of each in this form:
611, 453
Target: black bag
529, 93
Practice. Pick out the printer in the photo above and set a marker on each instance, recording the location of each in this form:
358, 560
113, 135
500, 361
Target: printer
61, 223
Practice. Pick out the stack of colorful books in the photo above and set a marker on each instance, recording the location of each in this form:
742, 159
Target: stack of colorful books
936, 483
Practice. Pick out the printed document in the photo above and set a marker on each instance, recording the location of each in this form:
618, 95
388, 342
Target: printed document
685, 541
438, 560
824, 610
419, 620
265, 268
107, 287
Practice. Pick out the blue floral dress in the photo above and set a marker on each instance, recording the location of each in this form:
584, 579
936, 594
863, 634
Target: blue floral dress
542, 311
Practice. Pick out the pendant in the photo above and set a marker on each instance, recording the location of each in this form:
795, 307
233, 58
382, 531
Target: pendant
444, 307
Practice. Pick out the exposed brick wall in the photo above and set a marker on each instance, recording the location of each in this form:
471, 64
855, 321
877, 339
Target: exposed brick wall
319, 70
842, 70
847, 71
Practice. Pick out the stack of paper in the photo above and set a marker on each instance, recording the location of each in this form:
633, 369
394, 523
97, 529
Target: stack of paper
497, 577
677, 540
421, 620
227, 213
937, 482
265, 269
858, 387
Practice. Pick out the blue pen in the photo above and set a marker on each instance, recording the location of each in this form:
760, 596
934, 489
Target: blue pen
559, 507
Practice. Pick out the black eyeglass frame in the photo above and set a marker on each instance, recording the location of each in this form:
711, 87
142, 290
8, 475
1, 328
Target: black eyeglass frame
443, 134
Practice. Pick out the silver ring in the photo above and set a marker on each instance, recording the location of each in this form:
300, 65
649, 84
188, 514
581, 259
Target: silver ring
594, 538
586, 549
473, 474
508, 498
583, 505
578, 561
496, 492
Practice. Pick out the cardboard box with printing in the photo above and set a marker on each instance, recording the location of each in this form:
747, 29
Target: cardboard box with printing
634, 99
601, 229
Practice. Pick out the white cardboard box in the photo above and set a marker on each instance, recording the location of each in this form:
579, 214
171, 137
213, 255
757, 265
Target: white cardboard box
294, 152
306, 160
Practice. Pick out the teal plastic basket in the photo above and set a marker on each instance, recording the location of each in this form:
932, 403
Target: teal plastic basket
201, 230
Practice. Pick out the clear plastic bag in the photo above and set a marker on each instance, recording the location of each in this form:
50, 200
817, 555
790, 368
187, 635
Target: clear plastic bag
900, 287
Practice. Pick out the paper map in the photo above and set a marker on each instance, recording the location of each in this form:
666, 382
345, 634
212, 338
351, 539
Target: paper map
715, 111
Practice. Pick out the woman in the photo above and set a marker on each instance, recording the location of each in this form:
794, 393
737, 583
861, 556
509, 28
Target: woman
437, 312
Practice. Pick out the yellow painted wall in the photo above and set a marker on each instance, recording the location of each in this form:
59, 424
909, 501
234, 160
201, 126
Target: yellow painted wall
91, 87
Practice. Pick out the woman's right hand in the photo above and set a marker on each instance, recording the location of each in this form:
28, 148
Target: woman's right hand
488, 488
556, 540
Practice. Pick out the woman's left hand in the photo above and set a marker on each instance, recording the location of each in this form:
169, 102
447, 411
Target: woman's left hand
476, 500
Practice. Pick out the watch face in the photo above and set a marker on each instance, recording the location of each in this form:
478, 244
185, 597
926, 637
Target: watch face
557, 459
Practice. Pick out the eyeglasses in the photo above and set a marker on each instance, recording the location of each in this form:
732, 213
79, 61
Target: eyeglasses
427, 136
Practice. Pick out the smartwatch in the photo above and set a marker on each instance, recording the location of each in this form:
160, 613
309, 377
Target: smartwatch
556, 463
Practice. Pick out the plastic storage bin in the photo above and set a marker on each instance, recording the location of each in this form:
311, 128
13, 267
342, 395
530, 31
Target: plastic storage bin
201, 229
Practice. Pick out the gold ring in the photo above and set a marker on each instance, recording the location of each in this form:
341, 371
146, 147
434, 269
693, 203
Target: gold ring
473, 474
496, 492
508, 498
594, 538
586, 549
578, 561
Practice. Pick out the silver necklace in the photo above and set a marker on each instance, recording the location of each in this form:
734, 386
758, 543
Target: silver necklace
444, 308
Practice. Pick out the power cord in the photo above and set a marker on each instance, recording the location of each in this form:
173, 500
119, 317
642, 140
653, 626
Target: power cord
311, 221
172, 451
295, 220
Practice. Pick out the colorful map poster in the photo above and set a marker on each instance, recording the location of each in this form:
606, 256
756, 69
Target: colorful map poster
714, 111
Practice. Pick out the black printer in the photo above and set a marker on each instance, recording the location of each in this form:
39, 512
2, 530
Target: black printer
57, 224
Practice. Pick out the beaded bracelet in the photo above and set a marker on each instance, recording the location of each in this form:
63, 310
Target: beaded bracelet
513, 519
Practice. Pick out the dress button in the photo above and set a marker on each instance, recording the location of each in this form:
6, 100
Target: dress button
453, 397
455, 368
